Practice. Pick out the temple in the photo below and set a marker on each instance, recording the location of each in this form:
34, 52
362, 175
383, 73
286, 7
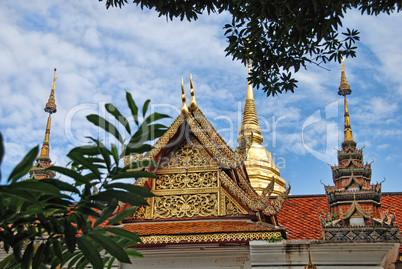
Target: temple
38, 171
215, 207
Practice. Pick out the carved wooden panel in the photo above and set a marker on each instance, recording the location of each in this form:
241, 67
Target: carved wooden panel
186, 206
187, 180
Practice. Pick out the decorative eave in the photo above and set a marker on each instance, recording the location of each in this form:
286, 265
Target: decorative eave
355, 207
230, 231
351, 179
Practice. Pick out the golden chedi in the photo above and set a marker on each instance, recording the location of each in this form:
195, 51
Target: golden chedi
259, 163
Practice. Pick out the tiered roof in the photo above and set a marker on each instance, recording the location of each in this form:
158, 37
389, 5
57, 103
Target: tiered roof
355, 204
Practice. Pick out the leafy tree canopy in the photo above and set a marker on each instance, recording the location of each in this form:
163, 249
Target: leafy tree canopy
50, 223
278, 36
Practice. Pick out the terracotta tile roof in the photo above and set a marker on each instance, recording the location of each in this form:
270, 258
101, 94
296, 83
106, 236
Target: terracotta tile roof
299, 213
299, 216
196, 227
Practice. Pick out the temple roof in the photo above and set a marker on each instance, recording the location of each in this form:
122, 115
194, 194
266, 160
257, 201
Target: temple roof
299, 214
202, 183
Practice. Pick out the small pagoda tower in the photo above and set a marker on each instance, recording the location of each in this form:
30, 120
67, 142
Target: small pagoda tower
355, 203
43, 161
260, 166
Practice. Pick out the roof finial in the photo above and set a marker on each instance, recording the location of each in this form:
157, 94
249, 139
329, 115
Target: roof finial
344, 89
51, 103
184, 109
43, 161
193, 103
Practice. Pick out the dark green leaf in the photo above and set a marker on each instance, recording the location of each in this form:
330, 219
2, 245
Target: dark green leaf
110, 246
57, 249
107, 212
156, 116
123, 233
145, 107
38, 256
118, 116
70, 173
133, 253
7, 262
110, 263
132, 148
104, 124
133, 107
123, 196
69, 235
24, 166
27, 257
122, 215
115, 154
90, 252
139, 190
77, 157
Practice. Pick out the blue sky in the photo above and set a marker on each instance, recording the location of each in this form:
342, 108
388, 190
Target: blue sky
101, 53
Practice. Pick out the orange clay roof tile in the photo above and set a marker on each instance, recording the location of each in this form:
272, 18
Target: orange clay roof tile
299, 213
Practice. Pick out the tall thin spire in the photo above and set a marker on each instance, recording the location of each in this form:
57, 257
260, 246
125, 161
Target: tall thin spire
344, 89
250, 118
260, 166
49, 108
43, 161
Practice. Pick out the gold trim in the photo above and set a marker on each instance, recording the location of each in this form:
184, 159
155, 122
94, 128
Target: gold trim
200, 238
185, 191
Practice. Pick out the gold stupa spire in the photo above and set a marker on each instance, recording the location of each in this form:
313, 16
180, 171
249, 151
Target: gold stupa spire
49, 108
260, 166
184, 109
344, 89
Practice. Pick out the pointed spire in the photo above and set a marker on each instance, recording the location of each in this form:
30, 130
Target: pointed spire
344, 89
43, 161
184, 109
49, 108
193, 103
250, 118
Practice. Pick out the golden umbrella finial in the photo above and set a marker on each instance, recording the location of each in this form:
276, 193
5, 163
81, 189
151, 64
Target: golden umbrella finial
51, 103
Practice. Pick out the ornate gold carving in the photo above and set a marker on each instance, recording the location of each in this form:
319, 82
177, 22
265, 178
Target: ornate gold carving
185, 191
187, 180
140, 212
186, 156
232, 206
186, 206
196, 238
